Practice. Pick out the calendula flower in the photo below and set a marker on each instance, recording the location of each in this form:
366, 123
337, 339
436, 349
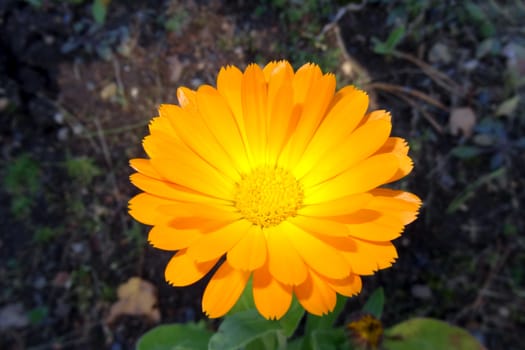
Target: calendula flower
366, 331
275, 176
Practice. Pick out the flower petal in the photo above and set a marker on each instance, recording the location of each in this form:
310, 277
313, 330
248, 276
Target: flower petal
168, 238
250, 252
167, 190
322, 226
215, 244
144, 208
340, 206
341, 119
272, 298
320, 256
222, 124
405, 205
369, 257
315, 295
183, 271
193, 173
284, 262
144, 166
280, 109
348, 286
362, 143
223, 290
320, 93
193, 131
254, 108
368, 174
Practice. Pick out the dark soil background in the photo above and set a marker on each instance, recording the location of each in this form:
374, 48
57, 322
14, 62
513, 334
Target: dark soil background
80, 80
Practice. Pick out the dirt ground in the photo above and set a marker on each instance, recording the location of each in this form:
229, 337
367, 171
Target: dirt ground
77, 93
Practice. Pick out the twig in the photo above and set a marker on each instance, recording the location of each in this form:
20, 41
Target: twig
438, 77
408, 91
403, 95
340, 13
486, 284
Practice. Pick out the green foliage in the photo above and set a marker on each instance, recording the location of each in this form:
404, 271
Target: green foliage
46, 234
477, 15
22, 182
82, 170
99, 10
374, 304
177, 21
387, 47
428, 334
189, 336
38, 314
246, 329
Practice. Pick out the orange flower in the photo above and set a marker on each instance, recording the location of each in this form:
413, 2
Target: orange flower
279, 173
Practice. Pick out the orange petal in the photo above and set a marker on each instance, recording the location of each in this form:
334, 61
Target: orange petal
315, 295
369, 174
303, 80
403, 204
348, 287
319, 95
223, 290
221, 122
359, 145
144, 208
166, 190
320, 225
341, 119
183, 271
373, 225
320, 256
194, 173
229, 86
280, 108
254, 109
250, 252
340, 206
144, 166
215, 244
369, 257
284, 263
272, 298
168, 238
193, 131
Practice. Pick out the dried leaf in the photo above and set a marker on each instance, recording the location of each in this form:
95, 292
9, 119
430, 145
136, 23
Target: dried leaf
13, 316
108, 91
508, 106
462, 119
137, 297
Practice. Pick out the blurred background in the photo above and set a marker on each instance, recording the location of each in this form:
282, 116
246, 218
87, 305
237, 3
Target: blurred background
80, 80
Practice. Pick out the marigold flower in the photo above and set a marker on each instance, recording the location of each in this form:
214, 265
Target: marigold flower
280, 174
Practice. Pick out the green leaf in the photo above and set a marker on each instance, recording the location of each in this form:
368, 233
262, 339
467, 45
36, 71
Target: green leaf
242, 328
466, 152
245, 301
374, 304
99, 10
428, 334
387, 47
188, 336
330, 339
470, 190
315, 323
293, 317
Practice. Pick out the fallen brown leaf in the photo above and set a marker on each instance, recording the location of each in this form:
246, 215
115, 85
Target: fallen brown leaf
137, 297
462, 119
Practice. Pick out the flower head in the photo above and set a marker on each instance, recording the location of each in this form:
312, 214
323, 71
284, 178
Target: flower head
280, 174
